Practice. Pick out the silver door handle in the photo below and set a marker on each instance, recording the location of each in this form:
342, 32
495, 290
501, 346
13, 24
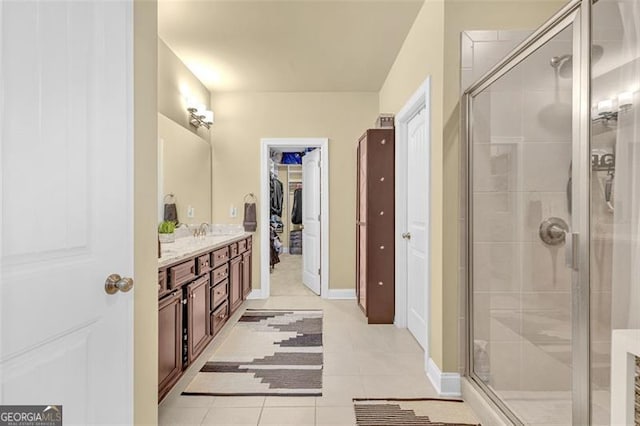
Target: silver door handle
115, 283
406, 235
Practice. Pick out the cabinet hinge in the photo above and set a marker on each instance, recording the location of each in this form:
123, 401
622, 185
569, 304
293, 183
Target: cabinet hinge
318, 217
318, 271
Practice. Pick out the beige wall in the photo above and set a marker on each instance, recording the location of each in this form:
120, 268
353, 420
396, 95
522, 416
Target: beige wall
421, 56
186, 170
145, 347
435, 37
242, 119
175, 84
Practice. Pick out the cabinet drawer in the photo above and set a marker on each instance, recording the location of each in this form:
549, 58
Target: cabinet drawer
219, 293
182, 273
204, 263
242, 246
219, 318
220, 273
220, 256
233, 248
162, 281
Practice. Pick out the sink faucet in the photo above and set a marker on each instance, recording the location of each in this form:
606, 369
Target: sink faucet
202, 230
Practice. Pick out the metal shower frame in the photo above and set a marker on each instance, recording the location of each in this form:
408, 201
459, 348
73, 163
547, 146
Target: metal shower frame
579, 14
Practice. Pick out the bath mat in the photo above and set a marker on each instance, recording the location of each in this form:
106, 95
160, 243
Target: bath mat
269, 352
413, 412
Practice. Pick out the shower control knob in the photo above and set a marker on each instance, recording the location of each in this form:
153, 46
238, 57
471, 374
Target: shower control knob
553, 231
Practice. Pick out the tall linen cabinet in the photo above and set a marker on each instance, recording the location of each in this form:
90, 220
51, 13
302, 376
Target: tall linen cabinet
375, 222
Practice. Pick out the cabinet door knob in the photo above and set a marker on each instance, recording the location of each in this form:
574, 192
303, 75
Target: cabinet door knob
115, 283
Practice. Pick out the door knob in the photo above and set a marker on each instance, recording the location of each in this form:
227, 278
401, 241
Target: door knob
115, 282
406, 235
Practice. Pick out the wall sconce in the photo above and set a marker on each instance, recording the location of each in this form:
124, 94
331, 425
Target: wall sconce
625, 101
199, 116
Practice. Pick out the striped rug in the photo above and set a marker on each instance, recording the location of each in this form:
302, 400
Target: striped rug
413, 412
268, 352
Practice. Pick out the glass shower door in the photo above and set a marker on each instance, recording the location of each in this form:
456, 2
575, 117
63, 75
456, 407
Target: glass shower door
521, 207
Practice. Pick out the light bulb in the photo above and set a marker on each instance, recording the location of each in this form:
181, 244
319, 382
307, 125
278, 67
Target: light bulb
208, 117
625, 100
192, 104
605, 107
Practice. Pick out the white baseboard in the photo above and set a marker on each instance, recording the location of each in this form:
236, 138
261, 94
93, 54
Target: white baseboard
341, 294
446, 384
256, 294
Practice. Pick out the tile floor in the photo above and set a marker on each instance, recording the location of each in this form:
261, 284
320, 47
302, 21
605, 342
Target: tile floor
360, 361
286, 277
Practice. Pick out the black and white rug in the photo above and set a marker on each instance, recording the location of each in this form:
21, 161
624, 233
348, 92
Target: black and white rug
413, 412
268, 352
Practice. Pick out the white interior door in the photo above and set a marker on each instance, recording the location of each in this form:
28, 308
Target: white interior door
66, 207
311, 220
417, 237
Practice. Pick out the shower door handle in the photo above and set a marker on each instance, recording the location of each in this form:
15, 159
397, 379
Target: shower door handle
572, 240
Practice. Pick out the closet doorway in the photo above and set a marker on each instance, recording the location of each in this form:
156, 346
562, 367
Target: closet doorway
294, 213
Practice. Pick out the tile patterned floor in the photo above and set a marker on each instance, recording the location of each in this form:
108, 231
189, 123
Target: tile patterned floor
360, 361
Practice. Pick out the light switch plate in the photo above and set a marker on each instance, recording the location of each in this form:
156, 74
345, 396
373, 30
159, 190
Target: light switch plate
191, 212
233, 211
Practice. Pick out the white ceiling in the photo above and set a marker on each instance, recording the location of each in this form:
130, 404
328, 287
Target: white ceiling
287, 46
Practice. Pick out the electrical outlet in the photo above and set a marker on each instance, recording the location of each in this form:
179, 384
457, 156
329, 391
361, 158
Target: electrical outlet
191, 212
233, 211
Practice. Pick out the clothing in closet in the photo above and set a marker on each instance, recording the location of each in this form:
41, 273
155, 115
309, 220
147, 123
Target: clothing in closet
296, 212
276, 196
275, 246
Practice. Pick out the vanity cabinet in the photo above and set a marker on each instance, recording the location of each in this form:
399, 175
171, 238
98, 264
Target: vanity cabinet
169, 341
197, 295
246, 274
198, 307
235, 281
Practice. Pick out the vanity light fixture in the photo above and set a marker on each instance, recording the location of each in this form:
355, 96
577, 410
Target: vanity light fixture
199, 116
625, 101
605, 107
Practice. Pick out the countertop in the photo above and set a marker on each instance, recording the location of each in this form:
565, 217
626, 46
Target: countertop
184, 248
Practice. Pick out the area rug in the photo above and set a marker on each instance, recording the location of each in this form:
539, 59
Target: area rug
269, 352
413, 412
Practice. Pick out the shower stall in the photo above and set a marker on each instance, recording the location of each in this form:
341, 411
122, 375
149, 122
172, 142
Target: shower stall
552, 214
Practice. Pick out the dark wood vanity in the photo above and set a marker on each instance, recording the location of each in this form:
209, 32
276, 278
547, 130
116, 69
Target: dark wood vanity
196, 297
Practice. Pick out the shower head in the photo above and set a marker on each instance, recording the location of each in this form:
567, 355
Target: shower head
564, 63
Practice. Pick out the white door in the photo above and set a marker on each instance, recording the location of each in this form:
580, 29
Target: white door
417, 239
66, 207
311, 220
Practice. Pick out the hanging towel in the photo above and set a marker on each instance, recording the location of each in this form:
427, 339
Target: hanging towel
170, 209
250, 221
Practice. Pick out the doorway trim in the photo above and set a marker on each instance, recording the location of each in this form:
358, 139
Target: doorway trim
419, 100
265, 145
